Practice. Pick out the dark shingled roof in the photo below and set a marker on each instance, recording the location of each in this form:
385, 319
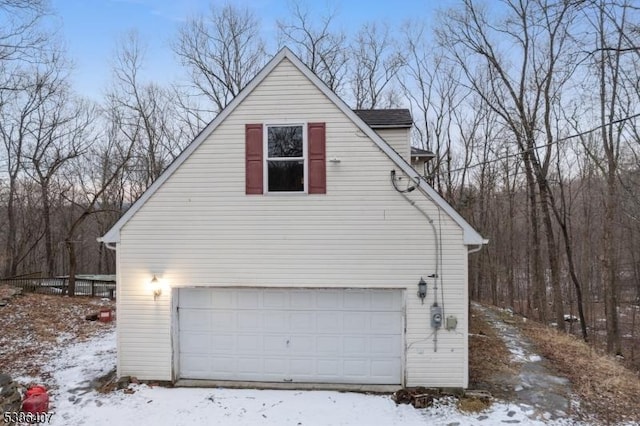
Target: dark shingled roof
418, 152
385, 118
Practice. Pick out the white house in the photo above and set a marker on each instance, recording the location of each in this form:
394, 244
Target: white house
286, 245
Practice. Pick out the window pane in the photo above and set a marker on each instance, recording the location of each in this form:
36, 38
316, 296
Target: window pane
285, 141
286, 175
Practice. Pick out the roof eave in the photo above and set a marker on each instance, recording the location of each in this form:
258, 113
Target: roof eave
390, 126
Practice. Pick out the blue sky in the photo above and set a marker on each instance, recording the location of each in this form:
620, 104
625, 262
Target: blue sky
91, 28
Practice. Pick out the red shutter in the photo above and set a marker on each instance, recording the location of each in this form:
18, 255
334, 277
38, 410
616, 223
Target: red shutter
253, 158
317, 158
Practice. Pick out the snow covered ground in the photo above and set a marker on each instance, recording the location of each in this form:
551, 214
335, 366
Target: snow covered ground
74, 401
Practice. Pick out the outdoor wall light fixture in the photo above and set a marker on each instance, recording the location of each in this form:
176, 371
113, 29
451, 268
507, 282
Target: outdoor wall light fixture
155, 286
422, 289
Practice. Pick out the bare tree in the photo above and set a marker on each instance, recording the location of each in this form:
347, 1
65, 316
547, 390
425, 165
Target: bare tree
610, 22
21, 36
223, 51
524, 95
17, 108
562, 211
376, 63
88, 181
144, 113
320, 46
58, 138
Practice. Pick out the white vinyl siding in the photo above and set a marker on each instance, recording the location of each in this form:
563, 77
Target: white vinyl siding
200, 229
399, 140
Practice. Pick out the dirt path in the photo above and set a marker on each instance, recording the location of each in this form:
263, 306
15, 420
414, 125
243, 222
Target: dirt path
541, 392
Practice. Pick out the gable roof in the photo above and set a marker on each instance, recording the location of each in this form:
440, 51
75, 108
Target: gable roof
470, 235
386, 118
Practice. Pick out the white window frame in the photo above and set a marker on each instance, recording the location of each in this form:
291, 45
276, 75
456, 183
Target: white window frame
265, 156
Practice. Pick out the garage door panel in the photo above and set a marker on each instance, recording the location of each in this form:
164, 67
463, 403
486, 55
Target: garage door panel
356, 368
299, 335
222, 298
247, 299
275, 344
302, 367
276, 367
250, 320
223, 343
221, 365
385, 323
329, 367
302, 322
221, 320
329, 299
356, 299
302, 344
275, 321
275, 299
355, 345
198, 366
329, 322
249, 343
198, 319
356, 322
384, 368
195, 343
196, 298
382, 301
383, 345
302, 299
328, 344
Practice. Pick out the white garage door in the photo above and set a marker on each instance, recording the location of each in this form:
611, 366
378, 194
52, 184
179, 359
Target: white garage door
284, 335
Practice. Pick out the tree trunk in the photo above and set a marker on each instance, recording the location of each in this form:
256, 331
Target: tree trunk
48, 236
554, 266
10, 267
539, 287
71, 249
575, 280
609, 273
511, 262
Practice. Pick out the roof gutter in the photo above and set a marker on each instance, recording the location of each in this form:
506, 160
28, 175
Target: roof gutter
390, 126
109, 245
478, 248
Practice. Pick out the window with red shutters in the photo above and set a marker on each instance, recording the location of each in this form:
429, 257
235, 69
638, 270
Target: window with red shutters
282, 154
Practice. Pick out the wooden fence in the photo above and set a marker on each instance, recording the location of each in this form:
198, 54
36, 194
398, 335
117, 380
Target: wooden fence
59, 286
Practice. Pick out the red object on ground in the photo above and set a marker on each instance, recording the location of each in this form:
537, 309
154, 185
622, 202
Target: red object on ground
35, 390
105, 315
36, 400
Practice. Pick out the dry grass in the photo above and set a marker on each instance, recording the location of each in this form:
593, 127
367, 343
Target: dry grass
33, 324
605, 387
473, 405
488, 356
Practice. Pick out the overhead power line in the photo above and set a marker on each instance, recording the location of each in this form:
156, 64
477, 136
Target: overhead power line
546, 145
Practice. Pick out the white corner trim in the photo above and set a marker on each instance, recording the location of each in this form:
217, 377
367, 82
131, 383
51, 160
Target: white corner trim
470, 235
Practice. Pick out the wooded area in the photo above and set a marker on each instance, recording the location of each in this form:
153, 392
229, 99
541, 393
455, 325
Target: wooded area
530, 106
